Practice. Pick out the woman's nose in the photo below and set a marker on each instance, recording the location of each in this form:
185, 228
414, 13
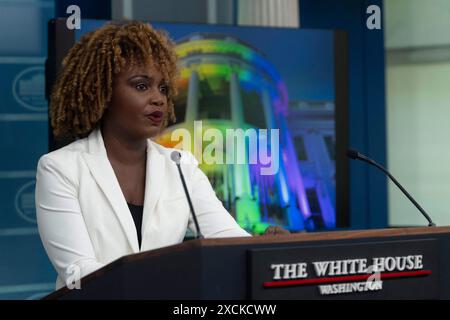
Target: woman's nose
157, 98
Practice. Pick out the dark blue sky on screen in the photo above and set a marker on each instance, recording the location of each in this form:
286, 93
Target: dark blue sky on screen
303, 57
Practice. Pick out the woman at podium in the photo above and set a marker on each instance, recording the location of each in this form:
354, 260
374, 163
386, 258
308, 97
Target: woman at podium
113, 191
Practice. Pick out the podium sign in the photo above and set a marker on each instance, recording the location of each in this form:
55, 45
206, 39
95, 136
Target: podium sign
375, 270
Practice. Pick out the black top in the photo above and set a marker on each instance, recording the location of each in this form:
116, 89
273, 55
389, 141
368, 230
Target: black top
136, 212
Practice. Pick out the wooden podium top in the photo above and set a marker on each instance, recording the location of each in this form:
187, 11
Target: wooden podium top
261, 240
287, 238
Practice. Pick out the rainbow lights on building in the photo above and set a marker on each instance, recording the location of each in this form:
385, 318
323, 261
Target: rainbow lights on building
228, 84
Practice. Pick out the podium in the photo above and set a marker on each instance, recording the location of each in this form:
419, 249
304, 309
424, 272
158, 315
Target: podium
397, 263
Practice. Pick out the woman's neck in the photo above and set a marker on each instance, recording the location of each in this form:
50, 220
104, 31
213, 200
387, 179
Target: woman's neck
122, 149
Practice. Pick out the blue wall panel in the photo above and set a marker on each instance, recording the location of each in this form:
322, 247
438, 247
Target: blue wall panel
367, 127
25, 271
25, 140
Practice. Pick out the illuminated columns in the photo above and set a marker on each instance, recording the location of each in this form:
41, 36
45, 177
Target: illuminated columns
317, 151
242, 174
192, 99
294, 178
237, 116
245, 202
273, 13
270, 124
268, 113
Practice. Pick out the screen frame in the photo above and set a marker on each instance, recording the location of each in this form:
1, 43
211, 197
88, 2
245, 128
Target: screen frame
61, 39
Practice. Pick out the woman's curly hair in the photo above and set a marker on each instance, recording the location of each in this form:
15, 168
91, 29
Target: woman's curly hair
84, 86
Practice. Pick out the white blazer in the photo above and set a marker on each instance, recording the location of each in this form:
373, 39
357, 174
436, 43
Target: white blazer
84, 221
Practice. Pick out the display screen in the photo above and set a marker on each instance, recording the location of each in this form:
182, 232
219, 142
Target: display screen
256, 107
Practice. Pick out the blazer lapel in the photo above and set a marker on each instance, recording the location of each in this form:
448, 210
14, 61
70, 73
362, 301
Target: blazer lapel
102, 171
154, 181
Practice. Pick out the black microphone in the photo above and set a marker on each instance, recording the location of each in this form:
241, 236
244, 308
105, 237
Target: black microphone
176, 157
353, 154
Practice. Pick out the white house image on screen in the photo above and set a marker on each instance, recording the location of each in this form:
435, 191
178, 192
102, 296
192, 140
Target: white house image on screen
227, 83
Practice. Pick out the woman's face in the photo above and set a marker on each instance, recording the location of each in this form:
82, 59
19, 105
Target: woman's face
138, 105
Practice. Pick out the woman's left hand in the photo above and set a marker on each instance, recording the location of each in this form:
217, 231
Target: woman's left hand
275, 230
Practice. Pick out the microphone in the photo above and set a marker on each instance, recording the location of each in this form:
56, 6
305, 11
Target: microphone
176, 157
353, 154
